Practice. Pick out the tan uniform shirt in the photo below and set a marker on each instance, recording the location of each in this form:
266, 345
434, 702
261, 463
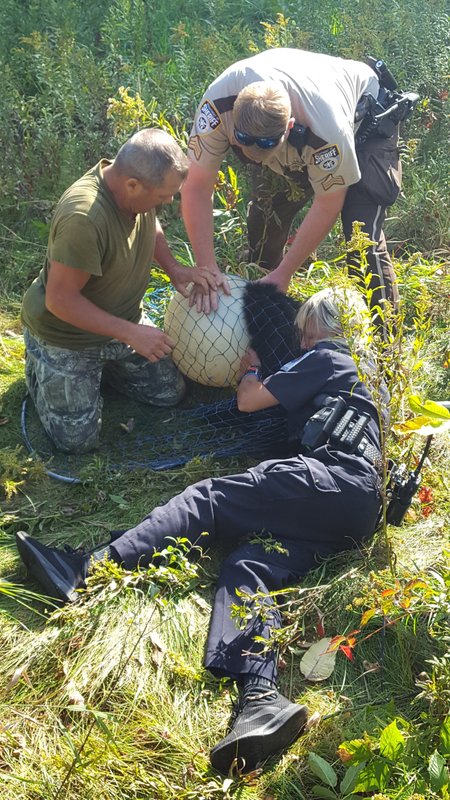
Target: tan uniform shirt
88, 232
324, 92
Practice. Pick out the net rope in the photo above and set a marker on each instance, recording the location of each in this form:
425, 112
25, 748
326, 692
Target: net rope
137, 436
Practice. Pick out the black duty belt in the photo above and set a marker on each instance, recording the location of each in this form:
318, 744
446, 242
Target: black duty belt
341, 426
381, 116
369, 452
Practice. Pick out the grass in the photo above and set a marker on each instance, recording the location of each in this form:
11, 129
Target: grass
108, 698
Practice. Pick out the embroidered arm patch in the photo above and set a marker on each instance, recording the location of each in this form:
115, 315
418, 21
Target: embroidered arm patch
332, 180
208, 118
327, 158
195, 145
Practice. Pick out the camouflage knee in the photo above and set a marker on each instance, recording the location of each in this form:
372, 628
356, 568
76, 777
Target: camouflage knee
159, 384
67, 399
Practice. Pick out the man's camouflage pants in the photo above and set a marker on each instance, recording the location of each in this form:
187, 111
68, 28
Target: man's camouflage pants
65, 386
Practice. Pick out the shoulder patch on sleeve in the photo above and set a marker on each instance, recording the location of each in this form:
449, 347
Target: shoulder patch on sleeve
196, 147
208, 118
332, 180
327, 158
291, 364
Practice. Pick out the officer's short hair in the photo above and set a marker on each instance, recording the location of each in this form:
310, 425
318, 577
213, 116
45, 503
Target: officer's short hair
262, 108
149, 154
335, 313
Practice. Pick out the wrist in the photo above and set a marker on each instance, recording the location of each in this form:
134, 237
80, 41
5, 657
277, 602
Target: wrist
170, 267
126, 332
255, 370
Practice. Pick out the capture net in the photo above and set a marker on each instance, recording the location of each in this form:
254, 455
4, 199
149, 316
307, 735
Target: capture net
136, 435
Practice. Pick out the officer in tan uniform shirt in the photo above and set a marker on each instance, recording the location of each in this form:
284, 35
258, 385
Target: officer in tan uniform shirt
292, 112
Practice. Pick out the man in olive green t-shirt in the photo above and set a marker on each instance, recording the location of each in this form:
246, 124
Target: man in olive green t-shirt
83, 314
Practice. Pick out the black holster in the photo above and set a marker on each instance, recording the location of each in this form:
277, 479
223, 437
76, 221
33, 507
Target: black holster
381, 116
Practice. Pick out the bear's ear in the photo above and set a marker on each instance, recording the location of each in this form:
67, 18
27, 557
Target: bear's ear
270, 321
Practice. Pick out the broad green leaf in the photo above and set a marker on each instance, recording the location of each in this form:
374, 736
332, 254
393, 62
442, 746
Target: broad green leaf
424, 426
392, 742
438, 770
428, 408
373, 777
355, 750
322, 791
444, 737
349, 780
322, 769
117, 498
318, 664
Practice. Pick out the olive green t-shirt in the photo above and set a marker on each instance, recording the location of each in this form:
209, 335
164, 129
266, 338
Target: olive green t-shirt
89, 232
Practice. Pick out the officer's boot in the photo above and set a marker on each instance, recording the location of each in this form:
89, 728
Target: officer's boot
59, 571
263, 724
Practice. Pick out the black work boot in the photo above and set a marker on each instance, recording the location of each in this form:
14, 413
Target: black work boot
60, 572
265, 723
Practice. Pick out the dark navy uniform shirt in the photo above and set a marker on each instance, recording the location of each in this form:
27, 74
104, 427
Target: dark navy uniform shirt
327, 368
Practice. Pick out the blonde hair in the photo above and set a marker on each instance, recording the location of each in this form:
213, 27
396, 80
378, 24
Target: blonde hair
149, 154
336, 313
262, 108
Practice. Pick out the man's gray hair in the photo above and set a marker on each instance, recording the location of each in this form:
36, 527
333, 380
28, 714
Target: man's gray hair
149, 154
335, 313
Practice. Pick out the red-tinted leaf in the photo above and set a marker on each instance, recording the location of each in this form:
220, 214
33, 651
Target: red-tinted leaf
347, 651
425, 494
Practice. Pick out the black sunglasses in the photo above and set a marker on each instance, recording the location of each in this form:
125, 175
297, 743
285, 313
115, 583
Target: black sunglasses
264, 142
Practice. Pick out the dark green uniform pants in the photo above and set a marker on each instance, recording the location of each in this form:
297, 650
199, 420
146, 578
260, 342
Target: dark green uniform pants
271, 213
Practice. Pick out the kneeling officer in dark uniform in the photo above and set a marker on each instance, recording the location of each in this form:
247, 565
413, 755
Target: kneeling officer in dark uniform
321, 501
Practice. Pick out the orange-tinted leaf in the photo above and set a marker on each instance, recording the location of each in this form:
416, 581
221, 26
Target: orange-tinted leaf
347, 651
344, 754
335, 642
388, 593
